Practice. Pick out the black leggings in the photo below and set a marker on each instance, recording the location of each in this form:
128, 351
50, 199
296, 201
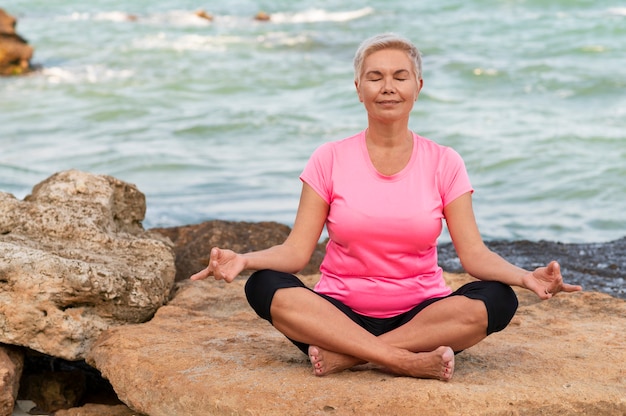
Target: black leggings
499, 299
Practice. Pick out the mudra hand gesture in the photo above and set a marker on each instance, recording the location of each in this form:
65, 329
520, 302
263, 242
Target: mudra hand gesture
547, 281
223, 265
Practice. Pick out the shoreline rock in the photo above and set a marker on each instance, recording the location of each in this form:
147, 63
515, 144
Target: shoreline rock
76, 260
199, 349
15, 52
599, 267
563, 356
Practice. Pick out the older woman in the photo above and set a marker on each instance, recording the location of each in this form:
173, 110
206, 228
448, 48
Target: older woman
382, 194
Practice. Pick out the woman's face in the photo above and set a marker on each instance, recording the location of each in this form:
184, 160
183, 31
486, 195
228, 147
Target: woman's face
387, 85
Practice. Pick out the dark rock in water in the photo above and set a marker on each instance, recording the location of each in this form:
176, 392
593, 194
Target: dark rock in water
15, 53
597, 267
193, 243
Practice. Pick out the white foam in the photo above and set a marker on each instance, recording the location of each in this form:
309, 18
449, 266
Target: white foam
90, 73
187, 42
320, 15
186, 18
169, 18
272, 39
176, 18
618, 11
114, 16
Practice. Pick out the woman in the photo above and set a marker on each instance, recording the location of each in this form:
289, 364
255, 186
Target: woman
382, 194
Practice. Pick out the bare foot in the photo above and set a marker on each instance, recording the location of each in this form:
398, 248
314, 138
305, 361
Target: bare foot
328, 362
437, 364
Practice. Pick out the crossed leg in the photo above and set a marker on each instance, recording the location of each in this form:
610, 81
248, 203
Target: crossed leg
421, 348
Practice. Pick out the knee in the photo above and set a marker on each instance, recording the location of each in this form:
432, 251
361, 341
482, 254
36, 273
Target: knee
503, 307
259, 293
261, 288
252, 285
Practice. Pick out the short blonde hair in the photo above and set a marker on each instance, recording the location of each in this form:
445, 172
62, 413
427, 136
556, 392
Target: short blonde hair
387, 41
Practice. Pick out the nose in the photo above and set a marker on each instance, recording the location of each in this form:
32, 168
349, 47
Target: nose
388, 86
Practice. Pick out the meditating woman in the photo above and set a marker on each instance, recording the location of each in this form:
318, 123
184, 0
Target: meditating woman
382, 194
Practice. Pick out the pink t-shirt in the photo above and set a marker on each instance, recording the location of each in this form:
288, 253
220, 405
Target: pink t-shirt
381, 258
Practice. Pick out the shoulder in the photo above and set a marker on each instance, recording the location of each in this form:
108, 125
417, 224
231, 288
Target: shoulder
435, 151
338, 147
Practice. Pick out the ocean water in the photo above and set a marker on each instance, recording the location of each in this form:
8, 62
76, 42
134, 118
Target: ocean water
216, 119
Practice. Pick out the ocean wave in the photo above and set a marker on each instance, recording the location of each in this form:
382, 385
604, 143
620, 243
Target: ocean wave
618, 11
187, 42
320, 15
210, 43
272, 39
184, 18
89, 73
176, 18
169, 18
112, 16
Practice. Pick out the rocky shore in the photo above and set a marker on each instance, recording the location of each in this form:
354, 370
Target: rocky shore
97, 317
598, 267
15, 52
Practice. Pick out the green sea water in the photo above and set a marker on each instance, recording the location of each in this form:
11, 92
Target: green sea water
216, 119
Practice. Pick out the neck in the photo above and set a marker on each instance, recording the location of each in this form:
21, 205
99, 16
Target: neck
388, 135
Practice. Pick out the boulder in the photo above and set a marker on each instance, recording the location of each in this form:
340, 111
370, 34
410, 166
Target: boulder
192, 243
15, 53
76, 261
206, 352
11, 365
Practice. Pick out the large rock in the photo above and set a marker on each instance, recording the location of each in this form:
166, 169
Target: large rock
15, 53
11, 365
192, 243
206, 352
76, 260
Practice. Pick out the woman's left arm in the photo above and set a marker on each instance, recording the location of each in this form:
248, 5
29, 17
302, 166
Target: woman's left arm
479, 261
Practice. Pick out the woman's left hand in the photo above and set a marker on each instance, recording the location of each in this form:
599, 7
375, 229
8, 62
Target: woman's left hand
547, 281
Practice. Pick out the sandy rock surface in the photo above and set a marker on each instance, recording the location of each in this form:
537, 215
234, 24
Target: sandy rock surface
207, 353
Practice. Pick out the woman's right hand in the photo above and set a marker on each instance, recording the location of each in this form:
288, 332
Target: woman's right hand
223, 265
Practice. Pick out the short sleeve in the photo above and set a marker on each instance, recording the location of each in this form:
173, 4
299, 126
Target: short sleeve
453, 177
318, 171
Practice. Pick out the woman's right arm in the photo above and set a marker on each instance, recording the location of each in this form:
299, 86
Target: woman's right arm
290, 256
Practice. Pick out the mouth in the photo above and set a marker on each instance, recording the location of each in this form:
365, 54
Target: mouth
388, 102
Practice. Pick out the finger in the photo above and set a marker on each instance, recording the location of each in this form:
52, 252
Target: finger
571, 288
202, 274
216, 253
217, 273
213, 264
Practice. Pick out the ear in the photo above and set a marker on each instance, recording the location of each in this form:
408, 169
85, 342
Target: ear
358, 91
420, 84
